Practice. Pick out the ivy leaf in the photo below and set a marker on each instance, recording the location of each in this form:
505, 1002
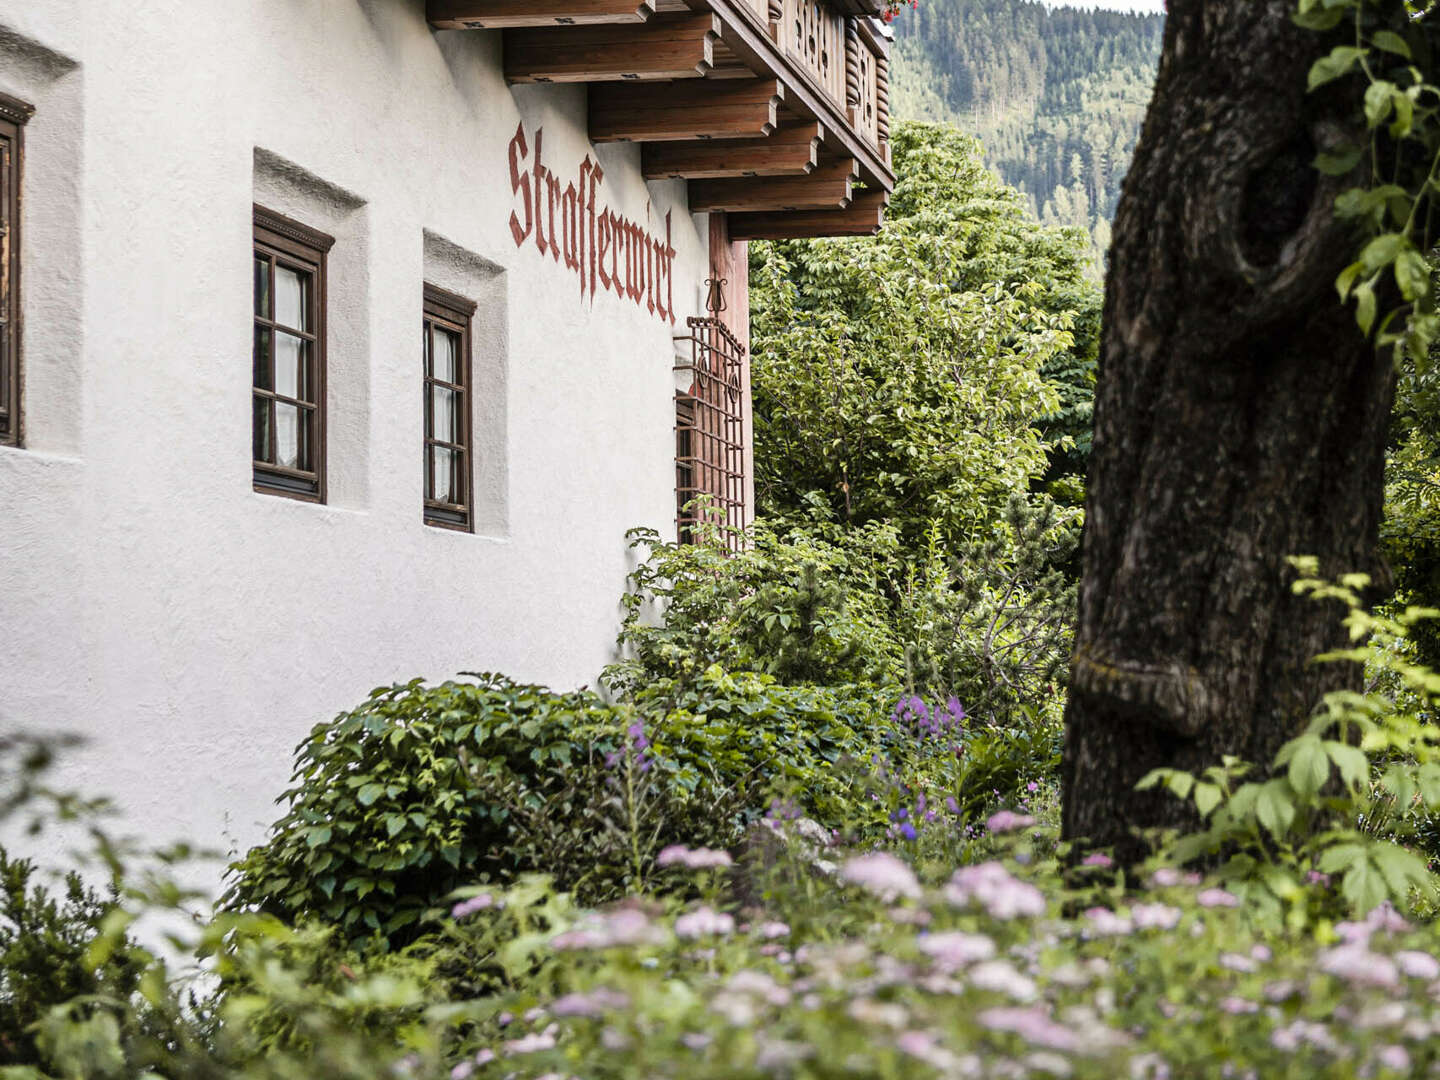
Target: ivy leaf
1339, 162
1341, 61
1412, 275
1365, 306
1378, 99
1383, 250
1391, 42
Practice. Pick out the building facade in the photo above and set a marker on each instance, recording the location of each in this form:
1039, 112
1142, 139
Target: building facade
344, 339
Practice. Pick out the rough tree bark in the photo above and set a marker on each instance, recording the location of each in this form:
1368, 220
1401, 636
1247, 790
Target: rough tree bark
1239, 418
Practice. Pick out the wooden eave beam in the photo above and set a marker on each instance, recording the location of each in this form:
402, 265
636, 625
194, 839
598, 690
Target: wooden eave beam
863, 217
828, 187
695, 109
509, 14
660, 48
745, 35
793, 150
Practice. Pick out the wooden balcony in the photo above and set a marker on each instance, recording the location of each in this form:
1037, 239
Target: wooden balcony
776, 111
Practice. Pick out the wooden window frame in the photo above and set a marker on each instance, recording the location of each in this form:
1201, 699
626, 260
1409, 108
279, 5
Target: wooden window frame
14, 115
454, 313
282, 239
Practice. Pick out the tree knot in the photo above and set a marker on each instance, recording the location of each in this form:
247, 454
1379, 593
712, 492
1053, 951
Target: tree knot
1170, 695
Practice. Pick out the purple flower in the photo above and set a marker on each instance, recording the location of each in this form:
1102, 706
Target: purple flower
951, 804
1100, 859
593, 1004
908, 831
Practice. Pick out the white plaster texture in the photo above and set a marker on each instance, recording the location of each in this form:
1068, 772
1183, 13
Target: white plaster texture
190, 629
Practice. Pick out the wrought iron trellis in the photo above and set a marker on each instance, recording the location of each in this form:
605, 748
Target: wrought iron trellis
710, 435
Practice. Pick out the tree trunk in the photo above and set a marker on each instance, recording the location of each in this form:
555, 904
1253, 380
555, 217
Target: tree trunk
1239, 418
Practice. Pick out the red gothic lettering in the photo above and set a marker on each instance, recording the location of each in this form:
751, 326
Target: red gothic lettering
541, 175
520, 185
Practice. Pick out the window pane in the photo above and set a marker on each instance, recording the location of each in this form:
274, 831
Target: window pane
292, 298
447, 356
262, 288
262, 430
290, 353
446, 413
263, 380
446, 465
287, 436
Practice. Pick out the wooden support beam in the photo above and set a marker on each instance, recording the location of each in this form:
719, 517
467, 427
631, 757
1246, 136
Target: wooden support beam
863, 217
696, 109
827, 188
660, 48
508, 14
793, 150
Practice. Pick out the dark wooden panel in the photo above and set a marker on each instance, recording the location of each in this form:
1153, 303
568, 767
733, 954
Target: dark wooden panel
863, 217
661, 48
695, 109
827, 187
506, 14
793, 150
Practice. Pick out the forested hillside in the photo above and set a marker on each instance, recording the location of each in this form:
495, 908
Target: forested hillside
1056, 95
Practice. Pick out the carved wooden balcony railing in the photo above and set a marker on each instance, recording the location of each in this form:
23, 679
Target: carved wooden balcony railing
777, 111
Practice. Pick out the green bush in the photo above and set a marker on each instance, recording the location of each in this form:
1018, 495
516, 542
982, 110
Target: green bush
44, 954
423, 789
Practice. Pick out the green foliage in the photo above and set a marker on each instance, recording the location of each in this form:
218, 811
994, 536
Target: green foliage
801, 605
424, 788
1393, 155
1343, 798
901, 379
45, 958
1056, 94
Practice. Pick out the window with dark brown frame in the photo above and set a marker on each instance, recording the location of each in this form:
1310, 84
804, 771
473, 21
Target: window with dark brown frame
13, 115
448, 444
289, 357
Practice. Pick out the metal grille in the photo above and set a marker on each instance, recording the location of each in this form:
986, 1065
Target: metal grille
709, 434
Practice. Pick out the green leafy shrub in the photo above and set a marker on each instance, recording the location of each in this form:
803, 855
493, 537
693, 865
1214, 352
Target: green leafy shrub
45, 958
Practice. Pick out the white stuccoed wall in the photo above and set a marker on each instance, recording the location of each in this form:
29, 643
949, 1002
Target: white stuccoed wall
149, 599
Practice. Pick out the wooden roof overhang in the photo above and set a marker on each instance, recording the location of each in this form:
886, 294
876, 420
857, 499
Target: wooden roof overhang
775, 111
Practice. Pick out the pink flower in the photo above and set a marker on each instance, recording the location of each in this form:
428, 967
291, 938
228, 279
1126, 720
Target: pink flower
1238, 1006
1155, 916
1105, 923
1165, 878
1002, 978
955, 948
990, 884
469, 907
533, 1043
694, 859
1358, 965
882, 874
1394, 1057
1008, 821
1098, 858
704, 922
1418, 965
595, 1003
626, 926
771, 930
1034, 1025
1213, 898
